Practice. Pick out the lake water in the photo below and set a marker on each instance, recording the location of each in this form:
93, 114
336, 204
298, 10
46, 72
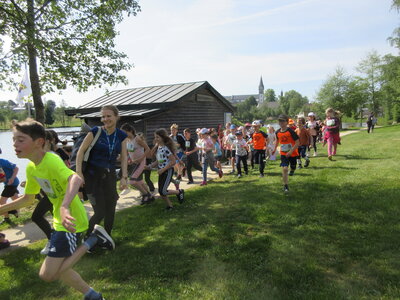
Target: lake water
6, 145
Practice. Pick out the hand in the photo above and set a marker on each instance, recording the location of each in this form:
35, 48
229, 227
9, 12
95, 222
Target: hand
67, 220
147, 167
122, 184
187, 153
10, 181
289, 154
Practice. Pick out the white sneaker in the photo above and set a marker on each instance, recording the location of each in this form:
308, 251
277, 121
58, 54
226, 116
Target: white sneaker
315, 154
46, 249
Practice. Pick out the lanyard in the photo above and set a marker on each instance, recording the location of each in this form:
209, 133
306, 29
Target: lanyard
111, 146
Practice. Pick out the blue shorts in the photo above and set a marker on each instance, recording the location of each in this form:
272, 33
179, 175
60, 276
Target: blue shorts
286, 161
63, 244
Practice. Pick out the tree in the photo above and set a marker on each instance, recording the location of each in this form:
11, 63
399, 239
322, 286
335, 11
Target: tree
74, 41
49, 112
395, 38
270, 96
292, 102
244, 110
371, 77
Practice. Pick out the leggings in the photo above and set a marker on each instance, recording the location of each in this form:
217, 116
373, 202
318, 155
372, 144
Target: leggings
331, 147
41, 209
147, 174
192, 161
238, 164
259, 156
164, 180
208, 160
314, 142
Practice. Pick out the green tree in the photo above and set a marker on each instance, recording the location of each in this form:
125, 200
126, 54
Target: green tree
49, 112
74, 41
245, 110
292, 102
270, 96
371, 78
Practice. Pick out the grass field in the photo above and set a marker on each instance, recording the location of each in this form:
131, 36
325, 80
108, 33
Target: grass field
336, 235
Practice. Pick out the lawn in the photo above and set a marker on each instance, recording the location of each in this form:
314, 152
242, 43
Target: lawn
336, 235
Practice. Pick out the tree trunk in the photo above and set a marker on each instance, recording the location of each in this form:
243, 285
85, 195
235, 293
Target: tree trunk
33, 68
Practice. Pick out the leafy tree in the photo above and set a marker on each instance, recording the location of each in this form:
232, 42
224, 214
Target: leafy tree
74, 41
395, 38
371, 78
270, 96
244, 110
49, 112
292, 102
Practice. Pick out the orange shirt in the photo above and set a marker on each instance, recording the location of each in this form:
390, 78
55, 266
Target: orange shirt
288, 138
259, 140
304, 136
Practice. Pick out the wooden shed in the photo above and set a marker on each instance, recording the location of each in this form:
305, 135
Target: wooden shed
190, 105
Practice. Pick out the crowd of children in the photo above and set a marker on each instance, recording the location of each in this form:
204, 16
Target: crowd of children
56, 179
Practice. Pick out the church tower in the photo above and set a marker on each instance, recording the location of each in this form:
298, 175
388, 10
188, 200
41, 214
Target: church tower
261, 92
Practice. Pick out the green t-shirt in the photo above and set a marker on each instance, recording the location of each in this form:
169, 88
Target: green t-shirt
51, 175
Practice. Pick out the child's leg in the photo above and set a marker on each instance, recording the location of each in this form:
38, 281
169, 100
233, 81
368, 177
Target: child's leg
330, 146
261, 157
38, 214
205, 166
246, 169
3, 200
334, 148
285, 177
239, 169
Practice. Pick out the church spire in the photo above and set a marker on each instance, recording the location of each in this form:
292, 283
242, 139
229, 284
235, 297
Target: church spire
261, 87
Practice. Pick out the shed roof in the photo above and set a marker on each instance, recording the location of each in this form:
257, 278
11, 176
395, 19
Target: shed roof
132, 101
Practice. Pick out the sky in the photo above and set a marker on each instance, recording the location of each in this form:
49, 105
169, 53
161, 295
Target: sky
231, 43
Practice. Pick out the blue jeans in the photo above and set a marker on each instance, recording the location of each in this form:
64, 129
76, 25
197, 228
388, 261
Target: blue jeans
208, 160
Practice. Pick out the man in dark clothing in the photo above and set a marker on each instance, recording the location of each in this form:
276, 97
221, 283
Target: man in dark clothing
190, 150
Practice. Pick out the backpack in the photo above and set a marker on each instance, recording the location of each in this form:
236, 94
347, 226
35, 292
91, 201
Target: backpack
77, 144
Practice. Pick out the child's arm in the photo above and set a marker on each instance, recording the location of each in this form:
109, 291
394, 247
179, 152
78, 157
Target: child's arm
296, 145
14, 175
22, 201
74, 182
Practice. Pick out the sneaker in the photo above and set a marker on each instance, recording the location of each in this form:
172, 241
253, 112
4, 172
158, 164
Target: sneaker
190, 182
181, 196
104, 239
6, 220
261, 175
46, 249
100, 298
300, 167
169, 208
14, 212
315, 154
203, 183
220, 173
291, 173
307, 163
286, 189
330, 157
239, 176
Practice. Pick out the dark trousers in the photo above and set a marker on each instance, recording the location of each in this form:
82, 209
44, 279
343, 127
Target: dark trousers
40, 211
370, 127
252, 158
147, 174
314, 142
242, 159
259, 156
192, 161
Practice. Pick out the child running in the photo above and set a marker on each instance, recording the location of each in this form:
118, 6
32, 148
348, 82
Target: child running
207, 155
165, 162
137, 152
241, 149
304, 142
47, 171
8, 175
217, 151
259, 139
313, 128
289, 141
332, 136
271, 142
192, 157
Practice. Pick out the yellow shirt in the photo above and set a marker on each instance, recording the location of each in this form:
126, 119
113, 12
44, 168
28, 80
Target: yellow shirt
51, 175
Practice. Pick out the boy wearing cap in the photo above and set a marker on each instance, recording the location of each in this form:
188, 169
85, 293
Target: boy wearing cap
241, 149
289, 141
259, 140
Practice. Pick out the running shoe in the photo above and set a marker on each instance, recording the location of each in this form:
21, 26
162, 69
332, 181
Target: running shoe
261, 175
315, 154
300, 166
169, 208
220, 173
181, 196
286, 189
190, 182
291, 173
104, 239
46, 249
100, 298
307, 163
203, 183
330, 157
239, 176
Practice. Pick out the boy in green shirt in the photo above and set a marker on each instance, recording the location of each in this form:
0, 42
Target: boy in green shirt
48, 172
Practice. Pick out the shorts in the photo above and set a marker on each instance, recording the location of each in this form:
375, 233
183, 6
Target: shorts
9, 191
302, 151
180, 154
230, 153
286, 161
135, 170
63, 244
218, 158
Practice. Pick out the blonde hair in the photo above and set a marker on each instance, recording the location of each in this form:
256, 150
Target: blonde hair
174, 126
329, 110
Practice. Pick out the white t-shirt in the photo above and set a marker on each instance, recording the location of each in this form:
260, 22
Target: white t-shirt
163, 154
239, 146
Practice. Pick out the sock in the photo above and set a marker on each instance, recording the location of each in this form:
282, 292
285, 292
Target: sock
91, 241
92, 294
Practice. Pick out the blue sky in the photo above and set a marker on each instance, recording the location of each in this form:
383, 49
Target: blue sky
231, 43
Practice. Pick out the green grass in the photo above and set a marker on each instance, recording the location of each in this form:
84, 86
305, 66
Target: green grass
336, 235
